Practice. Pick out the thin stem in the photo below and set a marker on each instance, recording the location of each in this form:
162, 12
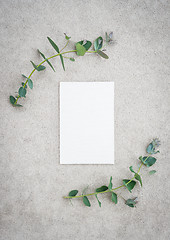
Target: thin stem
64, 46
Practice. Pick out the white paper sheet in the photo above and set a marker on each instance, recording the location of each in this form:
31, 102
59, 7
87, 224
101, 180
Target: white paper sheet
86, 122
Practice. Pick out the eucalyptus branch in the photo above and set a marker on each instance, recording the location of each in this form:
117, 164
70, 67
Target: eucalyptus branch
147, 161
81, 48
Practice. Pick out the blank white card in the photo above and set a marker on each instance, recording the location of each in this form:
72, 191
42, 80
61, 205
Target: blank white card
86, 122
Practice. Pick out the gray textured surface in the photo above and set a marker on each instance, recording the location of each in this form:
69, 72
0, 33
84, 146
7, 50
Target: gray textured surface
32, 180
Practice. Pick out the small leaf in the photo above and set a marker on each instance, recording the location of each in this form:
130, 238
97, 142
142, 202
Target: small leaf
73, 193
152, 172
98, 43
30, 83
24, 84
22, 92
102, 189
12, 100
114, 197
80, 49
102, 54
130, 203
66, 37
62, 61
38, 68
131, 169
46, 60
141, 158
53, 44
138, 177
110, 184
130, 185
148, 161
98, 200
87, 45
72, 59
86, 201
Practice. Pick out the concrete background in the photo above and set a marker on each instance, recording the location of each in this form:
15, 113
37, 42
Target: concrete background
32, 180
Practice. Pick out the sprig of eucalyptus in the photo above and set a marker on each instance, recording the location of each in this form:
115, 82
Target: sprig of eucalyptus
81, 48
129, 184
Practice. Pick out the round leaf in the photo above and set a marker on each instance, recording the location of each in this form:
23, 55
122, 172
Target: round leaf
22, 92
73, 193
148, 161
98, 43
80, 49
130, 185
12, 100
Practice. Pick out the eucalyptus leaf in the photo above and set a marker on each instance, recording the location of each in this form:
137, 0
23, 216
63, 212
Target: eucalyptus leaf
73, 193
131, 169
80, 49
114, 197
87, 45
46, 60
110, 184
130, 185
152, 172
24, 84
22, 92
30, 83
12, 100
138, 177
53, 44
66, 37
38, 68
62, 61
86, 201
72, 59
98, 43
98, 200
102, 54
148, 161
101, 189
130, 203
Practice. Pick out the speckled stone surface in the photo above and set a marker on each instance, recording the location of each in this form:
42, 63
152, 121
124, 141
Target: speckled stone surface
31, 178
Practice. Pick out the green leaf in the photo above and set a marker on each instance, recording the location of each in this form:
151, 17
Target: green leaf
66, 37
148, 161
38, 68
114, 197
86, 201
102, 54
98, 43
53, 44
130, 185
24, 84
151, 149
22, 92
131, 169
87, 45
130, 203
80, 49
72, 59
101, 189
62, 61
12, 100
141, 158
98, 200
138, 177
152, 172
110, 184
46, 60
30, 83
73, 193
